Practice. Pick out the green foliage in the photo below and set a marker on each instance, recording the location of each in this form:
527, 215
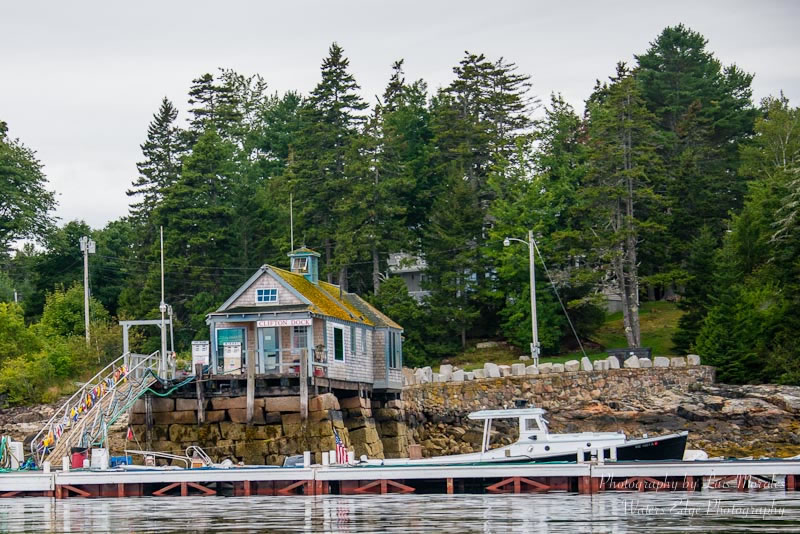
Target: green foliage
394, 301
697, 292
24, 200
64, 312
16, 339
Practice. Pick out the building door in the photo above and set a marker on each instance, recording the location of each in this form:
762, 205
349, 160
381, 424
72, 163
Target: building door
269, 348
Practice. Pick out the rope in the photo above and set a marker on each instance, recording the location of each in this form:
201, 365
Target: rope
559, 298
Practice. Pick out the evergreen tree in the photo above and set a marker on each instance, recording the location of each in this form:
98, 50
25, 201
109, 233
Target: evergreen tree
704, 112
316, 176
621, 187
196, 214
161, 163
537, 191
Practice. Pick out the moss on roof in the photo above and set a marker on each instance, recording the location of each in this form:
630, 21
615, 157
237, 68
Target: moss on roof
333, 291
322, 302
370, 311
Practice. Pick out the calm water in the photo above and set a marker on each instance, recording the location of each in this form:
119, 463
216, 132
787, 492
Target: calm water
717, 511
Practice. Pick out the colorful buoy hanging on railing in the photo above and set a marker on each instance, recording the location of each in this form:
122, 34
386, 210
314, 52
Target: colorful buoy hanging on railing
87, 401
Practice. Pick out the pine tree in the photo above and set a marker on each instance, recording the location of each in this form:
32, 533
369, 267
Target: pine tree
622, 184
161, 165
330, 120
704, 112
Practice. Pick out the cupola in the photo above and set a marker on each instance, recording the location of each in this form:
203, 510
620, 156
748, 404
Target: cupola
305, 262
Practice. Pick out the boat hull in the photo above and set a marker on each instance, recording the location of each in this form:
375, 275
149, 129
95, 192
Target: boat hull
670, 447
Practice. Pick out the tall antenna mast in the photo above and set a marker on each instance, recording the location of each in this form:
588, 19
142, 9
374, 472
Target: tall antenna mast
291, 223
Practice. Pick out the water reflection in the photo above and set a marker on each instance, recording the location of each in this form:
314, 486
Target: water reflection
719, 511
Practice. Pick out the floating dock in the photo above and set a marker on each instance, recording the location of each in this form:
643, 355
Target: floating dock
584, 478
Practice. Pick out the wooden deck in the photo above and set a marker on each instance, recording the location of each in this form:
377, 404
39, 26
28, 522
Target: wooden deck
344, 480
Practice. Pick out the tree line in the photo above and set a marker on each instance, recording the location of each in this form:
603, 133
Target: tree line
672, 183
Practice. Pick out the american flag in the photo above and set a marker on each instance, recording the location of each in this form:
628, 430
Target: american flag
341, 450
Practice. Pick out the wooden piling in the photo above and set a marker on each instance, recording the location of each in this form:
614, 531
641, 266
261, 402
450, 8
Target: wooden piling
303, 384
201, 402
251, 387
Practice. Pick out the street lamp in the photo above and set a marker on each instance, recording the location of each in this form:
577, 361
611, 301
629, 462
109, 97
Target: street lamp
535, 348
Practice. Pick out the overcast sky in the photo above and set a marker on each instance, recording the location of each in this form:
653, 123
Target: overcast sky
80, 80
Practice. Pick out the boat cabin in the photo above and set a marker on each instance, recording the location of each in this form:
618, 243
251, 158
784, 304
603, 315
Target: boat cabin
532, 424
279, 317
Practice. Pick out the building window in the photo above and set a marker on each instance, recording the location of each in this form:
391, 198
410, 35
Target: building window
266, 295
338, 344
299, 337
352, 340
299, 265
394, 342
364, 340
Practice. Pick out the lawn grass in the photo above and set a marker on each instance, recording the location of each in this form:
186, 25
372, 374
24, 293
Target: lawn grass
658, 322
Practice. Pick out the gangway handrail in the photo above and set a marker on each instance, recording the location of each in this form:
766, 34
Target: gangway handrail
94, 381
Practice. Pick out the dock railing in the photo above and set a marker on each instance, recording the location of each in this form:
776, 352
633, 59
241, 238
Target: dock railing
88, 412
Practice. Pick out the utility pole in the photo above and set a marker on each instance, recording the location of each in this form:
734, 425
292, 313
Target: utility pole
534, 322
163, 308
291, 224
87, 247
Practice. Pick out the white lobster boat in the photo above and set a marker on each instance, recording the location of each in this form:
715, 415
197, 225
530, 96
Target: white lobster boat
537, 444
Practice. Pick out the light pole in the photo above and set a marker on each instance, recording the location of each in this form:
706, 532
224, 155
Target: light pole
87, 247
535, 348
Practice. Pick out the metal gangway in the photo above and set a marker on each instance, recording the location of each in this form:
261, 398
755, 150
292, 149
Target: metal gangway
83, 420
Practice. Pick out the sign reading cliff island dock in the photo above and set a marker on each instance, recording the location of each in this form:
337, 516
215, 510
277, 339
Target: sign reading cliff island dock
284, 322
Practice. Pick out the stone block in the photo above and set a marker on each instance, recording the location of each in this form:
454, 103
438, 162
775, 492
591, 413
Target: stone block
282, 404
138, 406
479, 373
320, 428
491, 370
469, 376
368, 434
215, 416
388, 414
232, 431
267, 432
427, 374
223, 448
158, 433
183, 433
272, 418
524, 358
458, 376
392, 428
275, 459
599, 365
586, 364
505, 370
487, 344
408, 376
660, 361
446, 370
545, 368
645, 363
169, 418
397, 445
359, 412
438, 378
208, 434
326, 401
693, 359
239, 415
518, 369
292, 424
187, 404
613, 362
137, 419
531, 370
353, 402
572, 366
397, 404
162, 404
678, 361
631, 363
558, 368
226, 403
251, 452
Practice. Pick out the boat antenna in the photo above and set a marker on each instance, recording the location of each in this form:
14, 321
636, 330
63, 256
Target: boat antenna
555, 290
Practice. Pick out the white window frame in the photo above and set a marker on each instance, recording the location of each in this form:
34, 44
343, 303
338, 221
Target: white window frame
300, 265
269, 290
